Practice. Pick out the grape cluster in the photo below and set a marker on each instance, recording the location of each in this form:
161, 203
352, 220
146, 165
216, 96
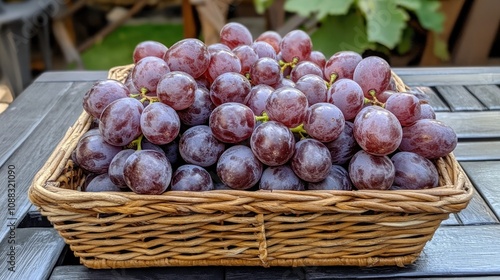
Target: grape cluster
268, 113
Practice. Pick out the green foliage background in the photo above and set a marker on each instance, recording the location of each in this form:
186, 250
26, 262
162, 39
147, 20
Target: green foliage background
360, 25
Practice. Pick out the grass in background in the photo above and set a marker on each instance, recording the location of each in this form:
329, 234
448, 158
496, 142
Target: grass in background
116, 48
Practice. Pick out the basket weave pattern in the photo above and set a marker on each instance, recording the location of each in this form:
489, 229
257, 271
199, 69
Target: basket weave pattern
241, 228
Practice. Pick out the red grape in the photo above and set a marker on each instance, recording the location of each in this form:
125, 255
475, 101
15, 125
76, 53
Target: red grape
373, 75
296, 44
337, 179
238, 168
348, 96
429, 138
272, 143
101, 94
280, 178
229, 87
147, 72
188, 55
190, 177
148, 48
147, 172
311, 160
120, 121
265, 71
235, 34
377, 130
232, 122
160, 123
371, 172
341, 65
414, 171
288, 106
314, 87
199, 146
324, 122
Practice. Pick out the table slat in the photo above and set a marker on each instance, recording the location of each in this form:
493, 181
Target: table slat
477, 150
453, 250
459, 98
37, 251
477, 125
477, 212
33, 105
486, 176
79, 272
437, 104
33, 152
71, 76
487, 94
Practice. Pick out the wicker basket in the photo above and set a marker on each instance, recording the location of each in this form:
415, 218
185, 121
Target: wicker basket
241, 228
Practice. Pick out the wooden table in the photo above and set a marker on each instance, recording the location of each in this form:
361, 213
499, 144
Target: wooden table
467, 244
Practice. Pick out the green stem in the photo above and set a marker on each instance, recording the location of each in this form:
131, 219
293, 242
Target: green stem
300, 130
263, 118
333, 78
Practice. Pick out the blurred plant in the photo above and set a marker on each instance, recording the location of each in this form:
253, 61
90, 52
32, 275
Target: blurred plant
359, 25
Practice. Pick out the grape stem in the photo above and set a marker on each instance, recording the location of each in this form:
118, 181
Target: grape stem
263, 118
145, 97
333, 78
374, 100
137, 143
290, 64
300, 130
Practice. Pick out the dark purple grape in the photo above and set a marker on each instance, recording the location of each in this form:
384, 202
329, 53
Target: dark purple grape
176, 89
235, 34
337, 179
200, 111
199, 146
280, 178
190, 177
232, 122
371, 172
120, 121
426, 111
341, 65
160, 123
93, 154
188, 55
311, 160
344, 147
271, 37
324, 122
257, 98
238, 168
318, 58
429, 138
265, 71
263, 49
102, 183
414, 171
247, 57
222, 62
171, 150
373, 75
288, 106
303, 68
147, 72
272, 143
147, 172
295, 44
284, 82
213, 48
405, 106
101, 94
348, 96
148, 48
377, 130
146, 145
314, 87
115, 170
229, 87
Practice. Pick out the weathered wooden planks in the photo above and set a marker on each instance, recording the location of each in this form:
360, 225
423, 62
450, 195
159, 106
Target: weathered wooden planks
477, 125
79, 272
33, 149
37, 251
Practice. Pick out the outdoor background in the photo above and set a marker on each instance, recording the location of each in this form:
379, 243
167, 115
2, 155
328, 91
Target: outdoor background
423, 33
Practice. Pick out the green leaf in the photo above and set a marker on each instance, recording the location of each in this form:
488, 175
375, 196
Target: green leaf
429, 15
411, 5
384, 21
405, 44
441, 49
262, 5
321, 8
339, 33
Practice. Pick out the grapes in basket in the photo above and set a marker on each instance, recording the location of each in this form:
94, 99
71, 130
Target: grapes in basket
259, 114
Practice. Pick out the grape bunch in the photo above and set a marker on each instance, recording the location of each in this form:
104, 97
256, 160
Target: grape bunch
268, 113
